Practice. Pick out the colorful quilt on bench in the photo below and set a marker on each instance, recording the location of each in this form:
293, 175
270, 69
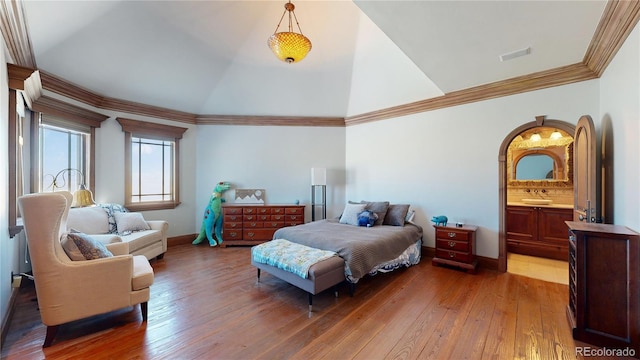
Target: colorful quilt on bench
288, 256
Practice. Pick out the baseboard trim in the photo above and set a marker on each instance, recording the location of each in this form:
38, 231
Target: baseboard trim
181, 239
6, 322
483, 262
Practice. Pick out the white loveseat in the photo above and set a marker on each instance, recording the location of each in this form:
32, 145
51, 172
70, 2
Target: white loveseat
112, 223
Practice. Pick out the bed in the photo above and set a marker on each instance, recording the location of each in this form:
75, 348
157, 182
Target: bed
366, 250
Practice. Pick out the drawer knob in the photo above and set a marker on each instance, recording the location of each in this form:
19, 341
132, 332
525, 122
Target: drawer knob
251, 234
452, 244
451, 234
233, 233
452, 255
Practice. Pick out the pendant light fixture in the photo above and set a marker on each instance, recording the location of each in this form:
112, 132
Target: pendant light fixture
289, 46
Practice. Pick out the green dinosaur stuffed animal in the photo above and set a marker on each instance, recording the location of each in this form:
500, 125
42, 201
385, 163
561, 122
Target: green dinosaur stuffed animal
212, 222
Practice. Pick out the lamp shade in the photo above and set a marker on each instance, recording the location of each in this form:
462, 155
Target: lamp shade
318, 176
289, 47
82, 198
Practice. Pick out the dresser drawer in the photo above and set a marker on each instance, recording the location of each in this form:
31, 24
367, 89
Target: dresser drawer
293, 218
263, 210
452, 255
274, 224
277, 217
294, 210
232, 234
232, 225
250, 210
453, 245
263, 217
246, 217
452, 234
253, 225
232, 210
258, 234
233, 217
277, 210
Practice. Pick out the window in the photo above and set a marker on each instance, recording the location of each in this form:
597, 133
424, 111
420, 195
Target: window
151, 165
151, 170
61, 149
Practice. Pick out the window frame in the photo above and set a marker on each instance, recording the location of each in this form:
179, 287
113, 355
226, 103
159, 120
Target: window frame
149, 130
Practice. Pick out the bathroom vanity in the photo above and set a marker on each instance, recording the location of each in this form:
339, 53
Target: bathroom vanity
538, 230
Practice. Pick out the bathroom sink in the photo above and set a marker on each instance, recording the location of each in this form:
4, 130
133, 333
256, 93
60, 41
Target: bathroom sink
537, 201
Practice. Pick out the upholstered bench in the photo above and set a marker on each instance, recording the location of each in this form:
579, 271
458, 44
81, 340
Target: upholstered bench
321, 275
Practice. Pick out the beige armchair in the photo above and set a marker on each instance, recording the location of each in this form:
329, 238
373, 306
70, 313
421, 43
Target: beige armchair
71, 290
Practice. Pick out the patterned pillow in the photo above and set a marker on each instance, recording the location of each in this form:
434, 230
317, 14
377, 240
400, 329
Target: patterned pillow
80, 246
112, 209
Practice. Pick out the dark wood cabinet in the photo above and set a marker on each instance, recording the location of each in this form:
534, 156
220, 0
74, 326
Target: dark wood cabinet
456, 246
538, 231
254, 224
604, 285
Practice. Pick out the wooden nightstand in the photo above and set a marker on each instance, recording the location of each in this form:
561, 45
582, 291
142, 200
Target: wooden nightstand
455, 246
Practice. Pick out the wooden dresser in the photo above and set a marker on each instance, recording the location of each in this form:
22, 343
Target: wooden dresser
604, 286
455, 246
252, 224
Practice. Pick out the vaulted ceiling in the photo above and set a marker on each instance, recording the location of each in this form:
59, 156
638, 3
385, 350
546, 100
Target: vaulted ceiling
211, 57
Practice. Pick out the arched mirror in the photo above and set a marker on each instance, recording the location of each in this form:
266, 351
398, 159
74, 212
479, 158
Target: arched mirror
540, 155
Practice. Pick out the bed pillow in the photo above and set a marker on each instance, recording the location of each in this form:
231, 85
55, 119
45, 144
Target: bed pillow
378, 207
80, 246
350, 213
410, 215
127, 222
396, 214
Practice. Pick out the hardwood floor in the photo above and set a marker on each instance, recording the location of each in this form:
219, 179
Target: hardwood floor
206, 304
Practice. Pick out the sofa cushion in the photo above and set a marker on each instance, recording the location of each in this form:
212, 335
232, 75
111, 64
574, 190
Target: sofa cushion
140, 239
89, 220
80, 246
127, 222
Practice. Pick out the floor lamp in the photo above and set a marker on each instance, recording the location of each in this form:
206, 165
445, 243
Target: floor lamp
318, 181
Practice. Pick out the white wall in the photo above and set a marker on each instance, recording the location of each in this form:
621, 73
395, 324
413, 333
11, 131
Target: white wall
7, 247
275, 158
620, 112
445, 162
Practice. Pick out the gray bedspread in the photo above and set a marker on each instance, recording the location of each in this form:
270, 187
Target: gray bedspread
362, 248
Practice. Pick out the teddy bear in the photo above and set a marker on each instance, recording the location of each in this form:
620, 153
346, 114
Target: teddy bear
367, 218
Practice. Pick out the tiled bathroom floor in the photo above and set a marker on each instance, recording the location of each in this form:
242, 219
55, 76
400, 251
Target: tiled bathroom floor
539, 268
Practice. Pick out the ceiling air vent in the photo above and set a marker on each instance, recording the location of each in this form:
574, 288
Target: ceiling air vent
515, 54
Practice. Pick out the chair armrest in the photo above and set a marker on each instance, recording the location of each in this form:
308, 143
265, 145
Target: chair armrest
121, 248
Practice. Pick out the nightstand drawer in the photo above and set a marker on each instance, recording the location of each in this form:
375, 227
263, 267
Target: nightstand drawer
452, 234
453, 245
463, 257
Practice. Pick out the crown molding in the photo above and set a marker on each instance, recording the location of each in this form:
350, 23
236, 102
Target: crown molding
69, 90
269, 120
15, 31
618, 20
535, 81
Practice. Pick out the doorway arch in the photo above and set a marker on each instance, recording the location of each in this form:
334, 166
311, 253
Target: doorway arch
503, 181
